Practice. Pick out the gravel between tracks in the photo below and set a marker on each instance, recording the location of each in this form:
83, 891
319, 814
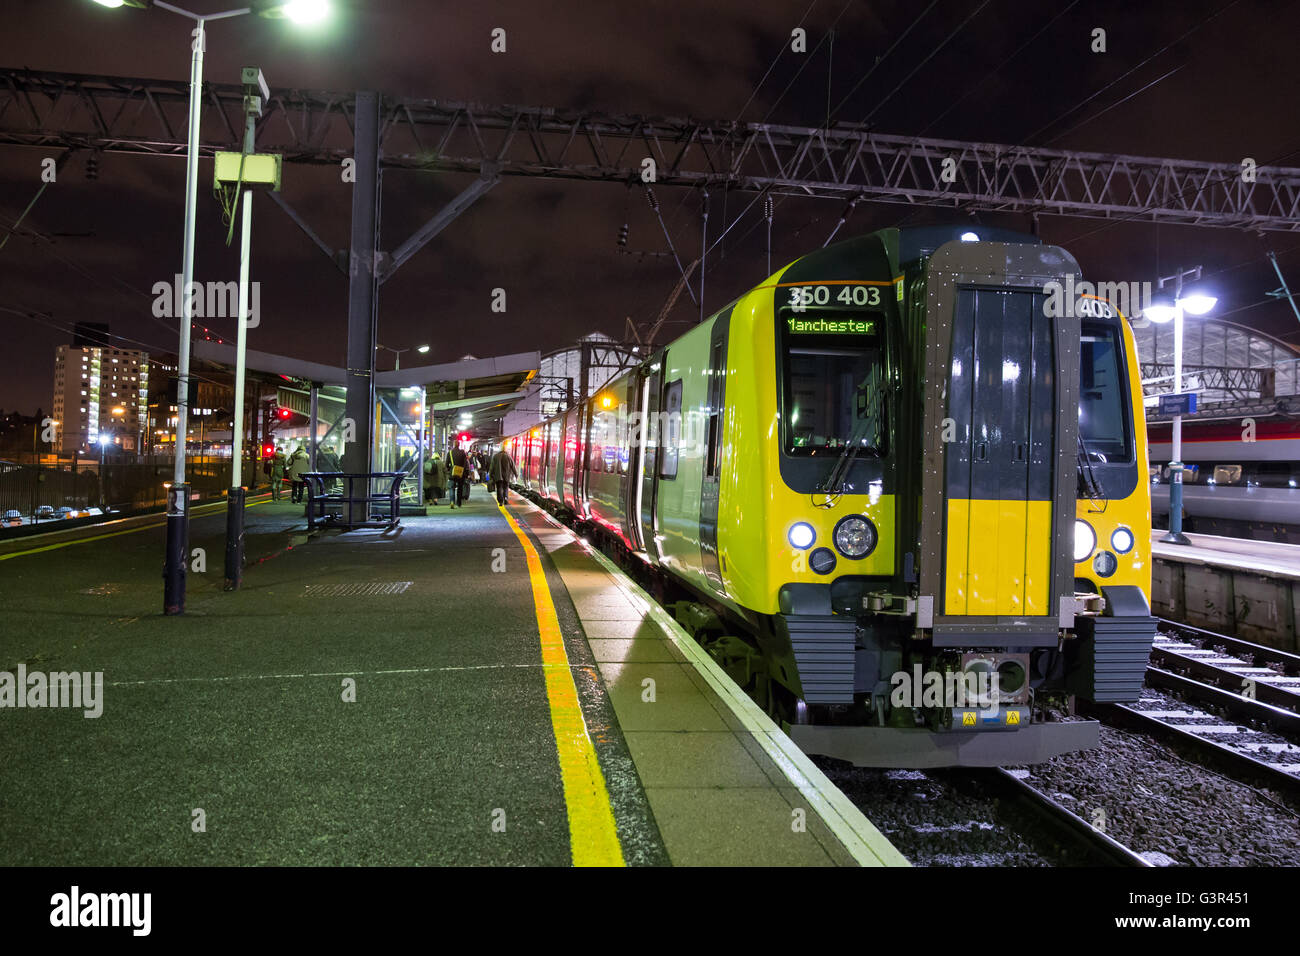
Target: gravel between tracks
1156, 803
931, 821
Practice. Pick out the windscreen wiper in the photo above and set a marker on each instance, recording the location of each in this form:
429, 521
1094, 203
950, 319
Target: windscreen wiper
833, 486
1088, 483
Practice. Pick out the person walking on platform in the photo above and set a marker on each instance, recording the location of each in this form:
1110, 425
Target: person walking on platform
502, 470
439, 478
459, 462
433, 479
299, 465
328, 460
277, 475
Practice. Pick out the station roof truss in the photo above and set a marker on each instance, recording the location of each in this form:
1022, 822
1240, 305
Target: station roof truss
1235, 370
143, 116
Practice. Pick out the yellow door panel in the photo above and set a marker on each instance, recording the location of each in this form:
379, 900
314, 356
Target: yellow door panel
1038, 559
982, 562
1009, 568
955, 579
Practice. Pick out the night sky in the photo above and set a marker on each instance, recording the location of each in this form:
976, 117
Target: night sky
1206, 79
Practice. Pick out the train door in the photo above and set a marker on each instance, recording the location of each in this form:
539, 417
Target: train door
568, 483
715, 421
581, 485
647, 439
629, 460
998, 479
999, 475
551, 460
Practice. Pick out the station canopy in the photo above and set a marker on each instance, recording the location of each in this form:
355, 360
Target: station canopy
486, 387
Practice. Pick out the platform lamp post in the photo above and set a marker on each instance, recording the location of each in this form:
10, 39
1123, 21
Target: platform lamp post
397, 354
178, 499
1165, 308
236, 171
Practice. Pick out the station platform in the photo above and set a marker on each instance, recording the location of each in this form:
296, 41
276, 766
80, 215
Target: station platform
476, 687
1238, 586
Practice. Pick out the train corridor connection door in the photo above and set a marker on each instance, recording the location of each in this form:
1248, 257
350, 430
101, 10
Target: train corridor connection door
999, 474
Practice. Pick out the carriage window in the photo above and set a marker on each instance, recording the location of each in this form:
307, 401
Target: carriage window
670, 434
1103, 422
1227, 474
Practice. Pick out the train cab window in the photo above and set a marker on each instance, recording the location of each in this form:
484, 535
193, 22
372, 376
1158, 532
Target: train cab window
833, 388
670, 433
1103, 420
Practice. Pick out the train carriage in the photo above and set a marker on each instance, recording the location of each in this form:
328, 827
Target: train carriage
903, 462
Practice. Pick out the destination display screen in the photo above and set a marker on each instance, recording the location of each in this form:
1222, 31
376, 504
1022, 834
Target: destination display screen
836, 325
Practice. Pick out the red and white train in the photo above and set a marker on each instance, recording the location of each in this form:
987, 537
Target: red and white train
1241, 478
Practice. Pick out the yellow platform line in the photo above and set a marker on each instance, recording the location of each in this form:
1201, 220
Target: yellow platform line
114, 534
593, 835
858, 835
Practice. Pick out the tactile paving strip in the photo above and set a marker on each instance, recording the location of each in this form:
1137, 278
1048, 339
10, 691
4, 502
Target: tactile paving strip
357, 589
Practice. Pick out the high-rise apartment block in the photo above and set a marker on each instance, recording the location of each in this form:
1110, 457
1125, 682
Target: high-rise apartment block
100, 392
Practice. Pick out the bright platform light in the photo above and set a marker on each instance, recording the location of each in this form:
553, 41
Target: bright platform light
307, 11
969, 237
1197, 304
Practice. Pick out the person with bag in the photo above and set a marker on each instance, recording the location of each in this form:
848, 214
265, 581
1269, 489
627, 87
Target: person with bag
501, 471
299, 465
459, 462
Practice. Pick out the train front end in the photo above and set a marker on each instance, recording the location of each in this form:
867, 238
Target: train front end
977, 627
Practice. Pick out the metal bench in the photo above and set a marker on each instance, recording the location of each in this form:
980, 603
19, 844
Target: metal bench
353, 505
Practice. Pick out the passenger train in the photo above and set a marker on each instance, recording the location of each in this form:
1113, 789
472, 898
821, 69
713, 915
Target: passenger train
1241, 475
900, 489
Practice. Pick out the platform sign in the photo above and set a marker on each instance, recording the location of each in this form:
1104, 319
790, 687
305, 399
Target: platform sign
1184, 404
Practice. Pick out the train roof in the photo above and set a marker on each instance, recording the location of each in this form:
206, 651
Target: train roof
887, 251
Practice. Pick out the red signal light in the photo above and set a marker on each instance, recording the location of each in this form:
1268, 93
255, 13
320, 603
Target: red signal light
284, 414
268, 451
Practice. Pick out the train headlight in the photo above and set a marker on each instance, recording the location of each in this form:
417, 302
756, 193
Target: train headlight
855, 537
801, 535
1122, 540
1085, 539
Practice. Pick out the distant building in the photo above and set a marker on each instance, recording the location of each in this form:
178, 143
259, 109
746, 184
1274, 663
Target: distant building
90, 383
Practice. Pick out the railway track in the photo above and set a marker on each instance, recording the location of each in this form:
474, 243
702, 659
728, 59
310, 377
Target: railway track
1228, 702
1267, 674
967, 817
1066, 826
